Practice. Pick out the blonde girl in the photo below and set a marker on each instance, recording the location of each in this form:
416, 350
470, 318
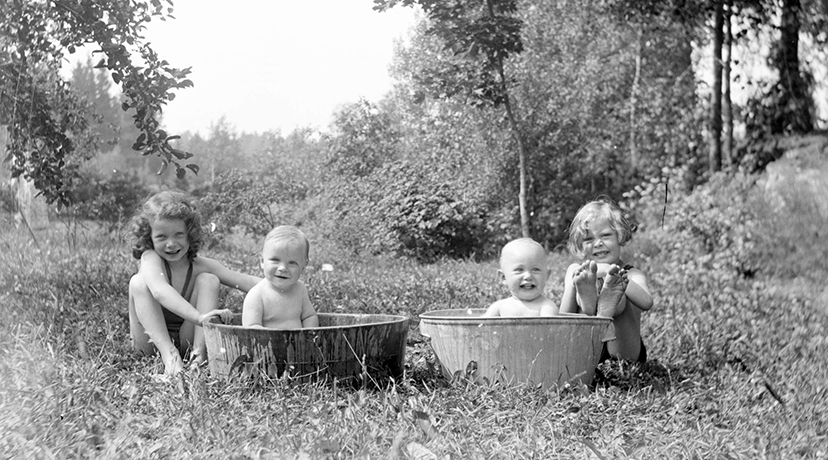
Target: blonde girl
602, 284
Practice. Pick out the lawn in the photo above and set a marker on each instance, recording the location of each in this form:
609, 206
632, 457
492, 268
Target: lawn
738, 370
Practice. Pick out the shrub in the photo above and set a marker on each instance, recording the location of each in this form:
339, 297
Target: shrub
409, 211
110, 199
711, 228
253, 204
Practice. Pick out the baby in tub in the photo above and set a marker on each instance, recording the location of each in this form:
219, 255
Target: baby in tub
523, 270
280, 300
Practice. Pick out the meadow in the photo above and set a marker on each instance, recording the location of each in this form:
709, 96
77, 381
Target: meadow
738, 367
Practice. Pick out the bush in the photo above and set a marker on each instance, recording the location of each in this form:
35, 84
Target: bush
427, 219
252, 204
111, 200
408, 211
712, 228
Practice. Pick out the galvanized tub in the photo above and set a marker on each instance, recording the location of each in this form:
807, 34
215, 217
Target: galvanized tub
344, 346
539, 351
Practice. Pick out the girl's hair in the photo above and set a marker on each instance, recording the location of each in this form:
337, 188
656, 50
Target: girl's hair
168, 204
289, 233
602, 208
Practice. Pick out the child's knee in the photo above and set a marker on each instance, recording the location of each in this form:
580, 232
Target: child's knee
207, 281
137, 286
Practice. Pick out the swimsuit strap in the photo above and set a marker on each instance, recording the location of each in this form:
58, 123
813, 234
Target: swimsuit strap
628, 267
186, 281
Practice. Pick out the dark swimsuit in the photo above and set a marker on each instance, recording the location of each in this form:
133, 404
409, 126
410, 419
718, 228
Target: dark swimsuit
642, 355
172, 320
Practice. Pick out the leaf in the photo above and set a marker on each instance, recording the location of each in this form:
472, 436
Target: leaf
420, 452
423, 421
163, 167
193, 167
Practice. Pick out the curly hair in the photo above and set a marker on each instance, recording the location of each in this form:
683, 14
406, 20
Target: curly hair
601, 208
168, 204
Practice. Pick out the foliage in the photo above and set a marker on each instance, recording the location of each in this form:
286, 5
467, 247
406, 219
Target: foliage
253, 204
44, 117
409, 202
697, 233
111, 198
428, 220
364, 139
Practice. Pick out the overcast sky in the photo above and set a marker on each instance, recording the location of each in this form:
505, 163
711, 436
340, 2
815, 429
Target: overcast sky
275, 64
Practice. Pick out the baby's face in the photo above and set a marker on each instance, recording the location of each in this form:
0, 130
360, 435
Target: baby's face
283, 263
524, 271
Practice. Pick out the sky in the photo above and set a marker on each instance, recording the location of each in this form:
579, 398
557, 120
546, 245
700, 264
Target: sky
275, 64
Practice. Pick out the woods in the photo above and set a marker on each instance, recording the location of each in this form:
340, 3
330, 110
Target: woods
505, 116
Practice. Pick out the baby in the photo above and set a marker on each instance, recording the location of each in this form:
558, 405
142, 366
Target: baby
280, 300
523, 271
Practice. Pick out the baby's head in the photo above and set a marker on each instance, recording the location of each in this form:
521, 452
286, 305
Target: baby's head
285, 255
168, 204
601, 209
523, 268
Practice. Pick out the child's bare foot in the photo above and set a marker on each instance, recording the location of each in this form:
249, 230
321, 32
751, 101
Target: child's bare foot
615, 283
173, 364
585, 291
197, 360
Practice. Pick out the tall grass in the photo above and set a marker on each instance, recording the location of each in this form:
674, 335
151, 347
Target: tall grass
738, 370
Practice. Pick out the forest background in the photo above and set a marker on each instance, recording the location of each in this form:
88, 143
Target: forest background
613, 98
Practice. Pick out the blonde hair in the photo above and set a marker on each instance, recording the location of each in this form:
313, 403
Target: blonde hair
291, 234
520, 242
601, 208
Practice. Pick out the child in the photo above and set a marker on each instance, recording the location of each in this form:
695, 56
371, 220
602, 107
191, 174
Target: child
175, 291
603, 284
523, 271
280, 300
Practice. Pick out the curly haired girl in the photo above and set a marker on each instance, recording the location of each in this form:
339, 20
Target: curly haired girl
175, 290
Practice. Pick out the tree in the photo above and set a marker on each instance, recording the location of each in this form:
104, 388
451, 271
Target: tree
715, 126
43, 117
481, 37
793, 84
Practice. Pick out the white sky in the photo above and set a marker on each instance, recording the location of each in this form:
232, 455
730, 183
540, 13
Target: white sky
275, 64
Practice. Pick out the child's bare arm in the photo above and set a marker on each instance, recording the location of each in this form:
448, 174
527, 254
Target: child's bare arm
493, 310
638, 292
569, 304
549, 308
252, 309
309, 318
227, 277
153, 272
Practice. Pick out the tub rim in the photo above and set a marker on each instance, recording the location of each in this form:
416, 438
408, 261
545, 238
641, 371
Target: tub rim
215, 323
441, 317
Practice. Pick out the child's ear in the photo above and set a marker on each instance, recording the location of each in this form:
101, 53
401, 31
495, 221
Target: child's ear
501, 277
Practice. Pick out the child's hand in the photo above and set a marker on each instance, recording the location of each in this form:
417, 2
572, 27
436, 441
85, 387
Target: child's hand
225, 315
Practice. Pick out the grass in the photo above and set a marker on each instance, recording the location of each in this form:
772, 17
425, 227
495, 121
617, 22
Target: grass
738, 370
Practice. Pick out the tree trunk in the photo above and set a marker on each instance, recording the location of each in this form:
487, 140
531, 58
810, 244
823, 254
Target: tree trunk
727, 103
795, 103
634, 102
715, 154
516, 132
